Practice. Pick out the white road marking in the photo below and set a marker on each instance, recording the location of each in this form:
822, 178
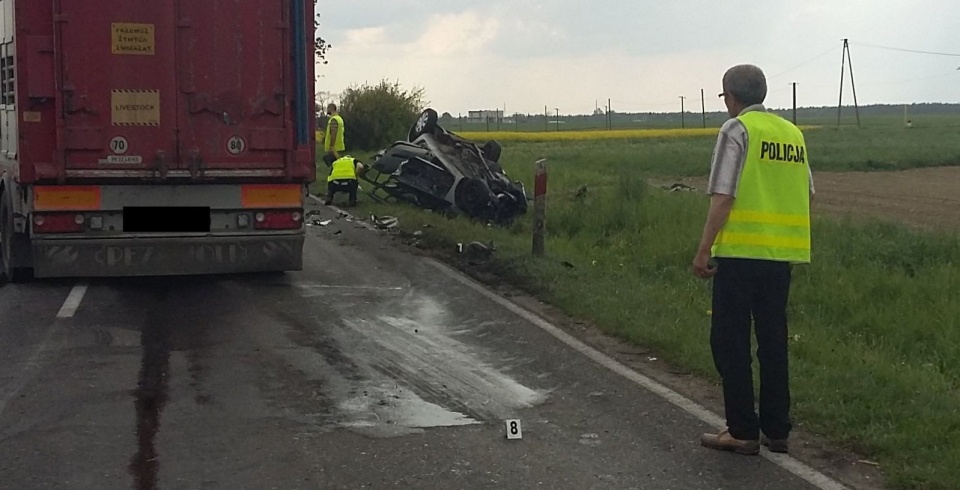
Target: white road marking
786, 462
73, 301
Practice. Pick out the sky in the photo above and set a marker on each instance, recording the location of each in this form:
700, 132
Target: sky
572, 55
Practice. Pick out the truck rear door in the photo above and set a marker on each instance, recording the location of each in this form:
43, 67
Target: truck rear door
232, 75
118, 91
169, 85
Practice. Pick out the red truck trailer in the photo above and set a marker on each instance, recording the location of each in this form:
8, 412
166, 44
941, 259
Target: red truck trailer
159, 137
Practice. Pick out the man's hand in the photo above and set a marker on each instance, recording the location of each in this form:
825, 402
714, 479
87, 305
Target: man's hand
720, 206
701, 266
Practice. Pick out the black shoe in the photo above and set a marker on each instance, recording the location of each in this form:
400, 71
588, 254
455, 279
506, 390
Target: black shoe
352, 204
781, 446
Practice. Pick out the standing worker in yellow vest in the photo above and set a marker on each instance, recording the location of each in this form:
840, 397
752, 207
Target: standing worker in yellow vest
333, 142
343, 178
758, 225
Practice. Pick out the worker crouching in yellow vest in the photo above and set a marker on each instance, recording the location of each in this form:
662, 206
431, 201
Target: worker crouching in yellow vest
343, 178
758, 225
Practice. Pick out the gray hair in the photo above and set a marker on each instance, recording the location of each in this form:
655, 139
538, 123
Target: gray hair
747, 83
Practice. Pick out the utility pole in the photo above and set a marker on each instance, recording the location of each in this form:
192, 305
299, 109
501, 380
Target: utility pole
682, 122
558, 118
609, 116
846, 58
546, 119
794, 103
703, 108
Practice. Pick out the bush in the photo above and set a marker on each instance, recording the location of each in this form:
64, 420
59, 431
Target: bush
375, 116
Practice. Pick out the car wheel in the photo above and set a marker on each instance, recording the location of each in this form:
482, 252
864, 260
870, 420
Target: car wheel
473, 197
426, 123
13, 274
491, 151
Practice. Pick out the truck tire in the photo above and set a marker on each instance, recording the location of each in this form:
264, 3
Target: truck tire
13, 274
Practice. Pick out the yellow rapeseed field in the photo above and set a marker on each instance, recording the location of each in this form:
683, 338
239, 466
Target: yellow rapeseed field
588, 135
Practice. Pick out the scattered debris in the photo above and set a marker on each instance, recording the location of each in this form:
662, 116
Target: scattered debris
590, 439
477, 250
568, 265
385, 222
651, 359
679, 187
338, 232
581, 193
418, 233
871, 463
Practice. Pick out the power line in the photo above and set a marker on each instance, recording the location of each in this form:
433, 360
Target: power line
910, 50
811, 60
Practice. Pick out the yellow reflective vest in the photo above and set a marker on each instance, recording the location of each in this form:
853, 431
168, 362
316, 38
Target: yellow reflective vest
334, 141
770, 218
345, 168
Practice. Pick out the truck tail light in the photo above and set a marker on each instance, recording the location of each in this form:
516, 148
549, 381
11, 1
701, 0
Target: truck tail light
58, 223
283, 219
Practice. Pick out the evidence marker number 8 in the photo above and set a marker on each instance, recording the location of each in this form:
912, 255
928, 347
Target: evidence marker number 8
513, 429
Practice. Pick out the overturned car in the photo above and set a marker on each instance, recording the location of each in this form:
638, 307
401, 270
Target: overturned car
438, 170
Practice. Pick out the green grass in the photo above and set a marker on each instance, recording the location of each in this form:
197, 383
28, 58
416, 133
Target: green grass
875, 320
830, 149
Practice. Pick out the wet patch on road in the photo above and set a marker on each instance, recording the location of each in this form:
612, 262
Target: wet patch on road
150, 398
397, 365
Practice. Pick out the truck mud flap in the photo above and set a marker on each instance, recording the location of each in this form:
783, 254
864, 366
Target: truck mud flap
167, 256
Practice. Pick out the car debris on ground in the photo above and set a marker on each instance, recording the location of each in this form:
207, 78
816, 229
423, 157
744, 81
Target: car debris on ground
438, 170
678, 187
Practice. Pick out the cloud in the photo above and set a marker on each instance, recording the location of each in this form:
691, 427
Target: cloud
457, 34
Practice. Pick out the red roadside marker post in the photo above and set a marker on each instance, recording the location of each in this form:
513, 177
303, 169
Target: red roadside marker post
539, 207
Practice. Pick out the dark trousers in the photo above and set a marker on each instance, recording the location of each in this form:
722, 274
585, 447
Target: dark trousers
346, 185
743, 290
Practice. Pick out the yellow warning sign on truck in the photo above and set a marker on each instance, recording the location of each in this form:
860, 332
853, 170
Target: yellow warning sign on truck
137, 39
135, 107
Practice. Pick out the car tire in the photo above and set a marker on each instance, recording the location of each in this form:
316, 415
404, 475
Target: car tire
472, 196
12, 274
491, 151
426, 123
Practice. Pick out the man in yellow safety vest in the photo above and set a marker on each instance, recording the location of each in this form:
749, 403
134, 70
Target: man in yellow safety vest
758, 225
333, 142
343, 178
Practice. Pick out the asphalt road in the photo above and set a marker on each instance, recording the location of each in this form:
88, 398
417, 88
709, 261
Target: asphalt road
372, 368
